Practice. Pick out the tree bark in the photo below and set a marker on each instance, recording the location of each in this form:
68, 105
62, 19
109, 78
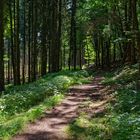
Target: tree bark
1, 46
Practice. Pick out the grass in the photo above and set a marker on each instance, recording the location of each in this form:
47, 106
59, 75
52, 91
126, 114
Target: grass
23, 104
89, 129
122, 120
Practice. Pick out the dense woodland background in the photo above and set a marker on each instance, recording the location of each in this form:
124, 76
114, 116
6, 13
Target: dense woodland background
43, 36
47, 46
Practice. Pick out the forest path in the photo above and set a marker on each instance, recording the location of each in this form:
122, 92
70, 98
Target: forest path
90, 98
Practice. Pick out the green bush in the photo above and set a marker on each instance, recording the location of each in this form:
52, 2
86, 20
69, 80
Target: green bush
89, 129
123, 118
125, 126
21, 104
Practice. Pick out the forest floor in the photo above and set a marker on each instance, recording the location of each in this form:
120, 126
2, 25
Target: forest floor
90, 99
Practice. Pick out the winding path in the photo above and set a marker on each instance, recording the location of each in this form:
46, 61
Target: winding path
52, 126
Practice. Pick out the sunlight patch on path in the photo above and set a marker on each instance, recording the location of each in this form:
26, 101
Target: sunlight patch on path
83, 98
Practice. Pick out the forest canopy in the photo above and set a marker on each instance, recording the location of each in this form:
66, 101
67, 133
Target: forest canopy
43, 36
78, 55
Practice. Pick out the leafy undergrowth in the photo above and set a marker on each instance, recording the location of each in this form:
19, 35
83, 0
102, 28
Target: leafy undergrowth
122, 120
89, 129
22, 104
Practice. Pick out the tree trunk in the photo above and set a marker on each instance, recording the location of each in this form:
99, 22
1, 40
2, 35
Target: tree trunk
1, 46
44, 36
73, 45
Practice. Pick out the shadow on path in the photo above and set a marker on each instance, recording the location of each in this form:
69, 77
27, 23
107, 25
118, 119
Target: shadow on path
51, 127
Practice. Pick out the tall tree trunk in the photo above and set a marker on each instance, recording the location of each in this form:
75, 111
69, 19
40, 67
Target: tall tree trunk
1, 46
11, 38
60, 34
16, 44
43, 40
24, 45
55, 37
34, 41
73, 39
29, 42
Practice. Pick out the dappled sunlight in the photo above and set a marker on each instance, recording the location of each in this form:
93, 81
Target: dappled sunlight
80, 99
69, 69
26, 103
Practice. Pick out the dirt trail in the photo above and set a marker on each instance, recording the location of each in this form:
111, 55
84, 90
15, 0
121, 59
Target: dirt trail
52, 126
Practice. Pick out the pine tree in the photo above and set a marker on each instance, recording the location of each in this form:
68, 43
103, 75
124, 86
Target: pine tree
1, 46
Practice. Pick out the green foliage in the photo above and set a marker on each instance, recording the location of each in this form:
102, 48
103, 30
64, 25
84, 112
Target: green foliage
123, 75
89, 51
17, 122
128, 100
122, 121
89, 129
125, 126
25, 103
62, 82
124, 114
